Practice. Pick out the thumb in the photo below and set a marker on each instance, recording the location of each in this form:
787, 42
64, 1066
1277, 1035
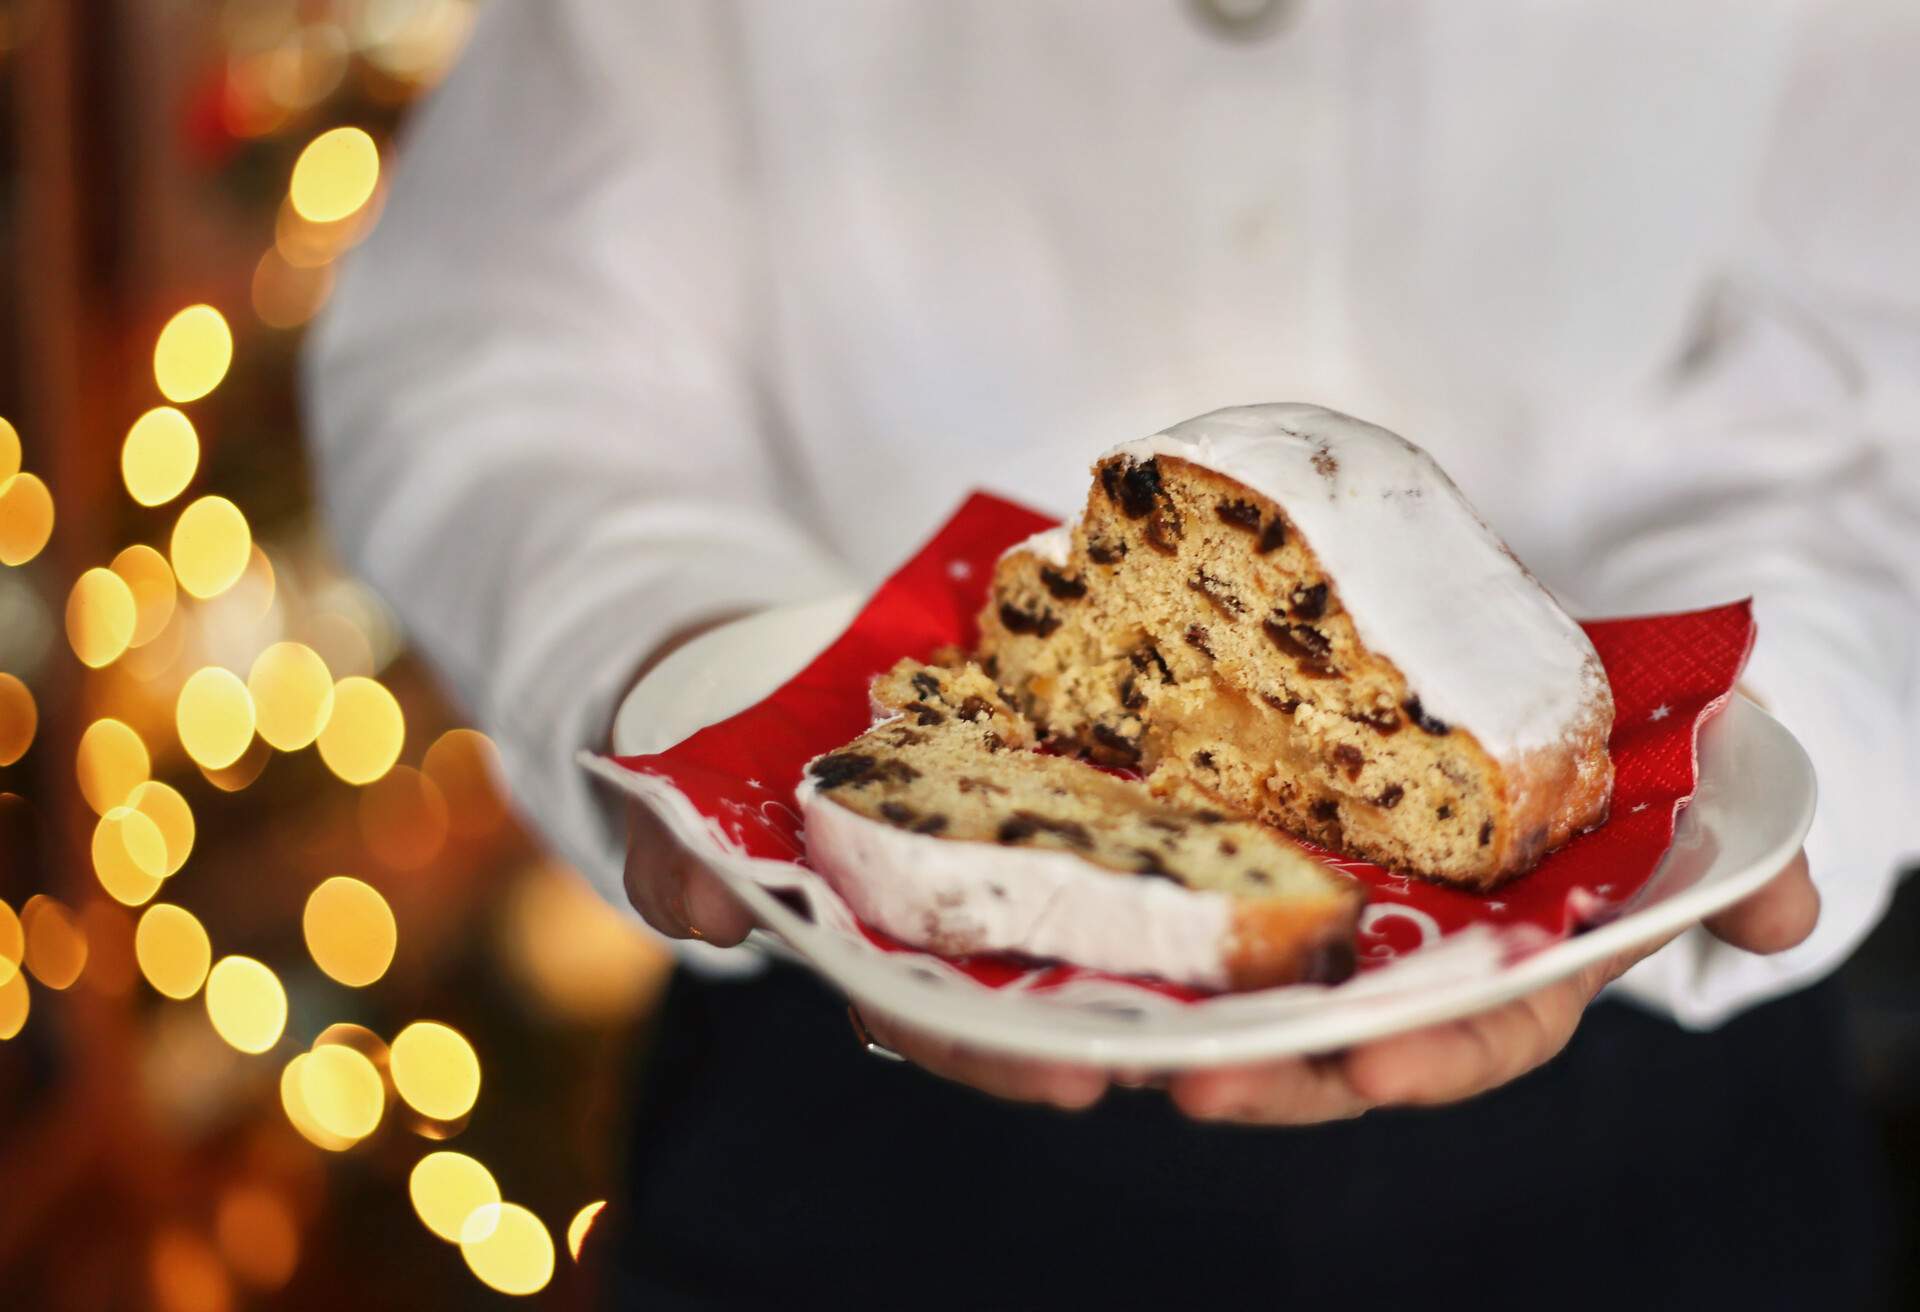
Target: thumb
1778, 917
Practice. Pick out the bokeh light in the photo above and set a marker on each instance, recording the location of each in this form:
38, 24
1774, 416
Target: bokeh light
233, 778
15, 1003
100, 617
111, 762
246, 1003
340, 643
19, 719
163, 804
286, 295
186, 1274
257, 1236
411, 40
311, 247
582, 1222
292, 694
358, 1037
159, 457
173, 950
507, 1248
335, 175
251, 597
364, 734
13, 943
192, 354
154, 661
56, 949
342, 1091
447, 1188
26, 518
307, 66
210, 548
465, 765
403, 819
293, 1101
435, 1070
350, 931
214, 717
580, 959
9, 450
129, 855
150, 579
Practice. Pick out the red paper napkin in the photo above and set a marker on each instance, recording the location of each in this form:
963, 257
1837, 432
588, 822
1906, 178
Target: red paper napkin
1669, 673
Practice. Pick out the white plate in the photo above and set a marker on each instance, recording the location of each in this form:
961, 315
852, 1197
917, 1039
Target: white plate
1751, 811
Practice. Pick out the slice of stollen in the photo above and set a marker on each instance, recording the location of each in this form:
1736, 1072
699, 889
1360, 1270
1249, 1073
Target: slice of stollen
1287, 613
943, 826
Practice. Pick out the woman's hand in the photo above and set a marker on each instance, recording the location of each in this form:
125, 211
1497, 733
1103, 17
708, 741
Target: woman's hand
1439, 1064
1462, 1058
672, 891
667, 885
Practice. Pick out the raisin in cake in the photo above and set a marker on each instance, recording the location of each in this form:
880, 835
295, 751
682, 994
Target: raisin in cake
1286, 612
940, 826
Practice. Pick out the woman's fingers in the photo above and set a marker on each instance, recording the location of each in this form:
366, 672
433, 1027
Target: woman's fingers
1778, 917
1444, 1063
713, 913
1459, 1059
673, 892
1014, 1078
1296, 1091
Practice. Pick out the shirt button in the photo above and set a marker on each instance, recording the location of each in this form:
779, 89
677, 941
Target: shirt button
1243, 20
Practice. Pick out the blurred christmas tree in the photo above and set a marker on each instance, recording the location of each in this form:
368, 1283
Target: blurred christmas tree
292, 1013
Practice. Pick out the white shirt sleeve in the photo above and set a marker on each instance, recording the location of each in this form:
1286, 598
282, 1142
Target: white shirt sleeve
1784, 461
532, 401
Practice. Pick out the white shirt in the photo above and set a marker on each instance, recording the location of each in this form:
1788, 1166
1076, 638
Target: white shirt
679, 308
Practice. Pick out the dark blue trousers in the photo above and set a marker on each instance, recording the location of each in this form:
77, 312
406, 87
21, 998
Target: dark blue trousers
775, 1164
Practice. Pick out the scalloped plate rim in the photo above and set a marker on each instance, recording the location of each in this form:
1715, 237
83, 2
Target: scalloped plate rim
1751, 810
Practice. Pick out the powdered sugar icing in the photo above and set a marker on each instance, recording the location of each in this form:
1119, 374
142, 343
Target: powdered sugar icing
1425, 582
1052, 545
955, 896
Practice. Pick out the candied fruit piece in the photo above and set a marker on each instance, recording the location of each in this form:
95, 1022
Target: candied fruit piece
1025, 621
1217, 593
1140, 488
837, 768
1165, 530
1428, 724
1062, 586
924, 714
1114, 747
1240, 514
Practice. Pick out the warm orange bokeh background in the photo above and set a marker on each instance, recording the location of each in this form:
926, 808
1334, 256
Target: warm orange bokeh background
292, 1012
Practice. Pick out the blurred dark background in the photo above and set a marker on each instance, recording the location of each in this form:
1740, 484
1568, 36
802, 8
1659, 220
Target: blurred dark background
214, 930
